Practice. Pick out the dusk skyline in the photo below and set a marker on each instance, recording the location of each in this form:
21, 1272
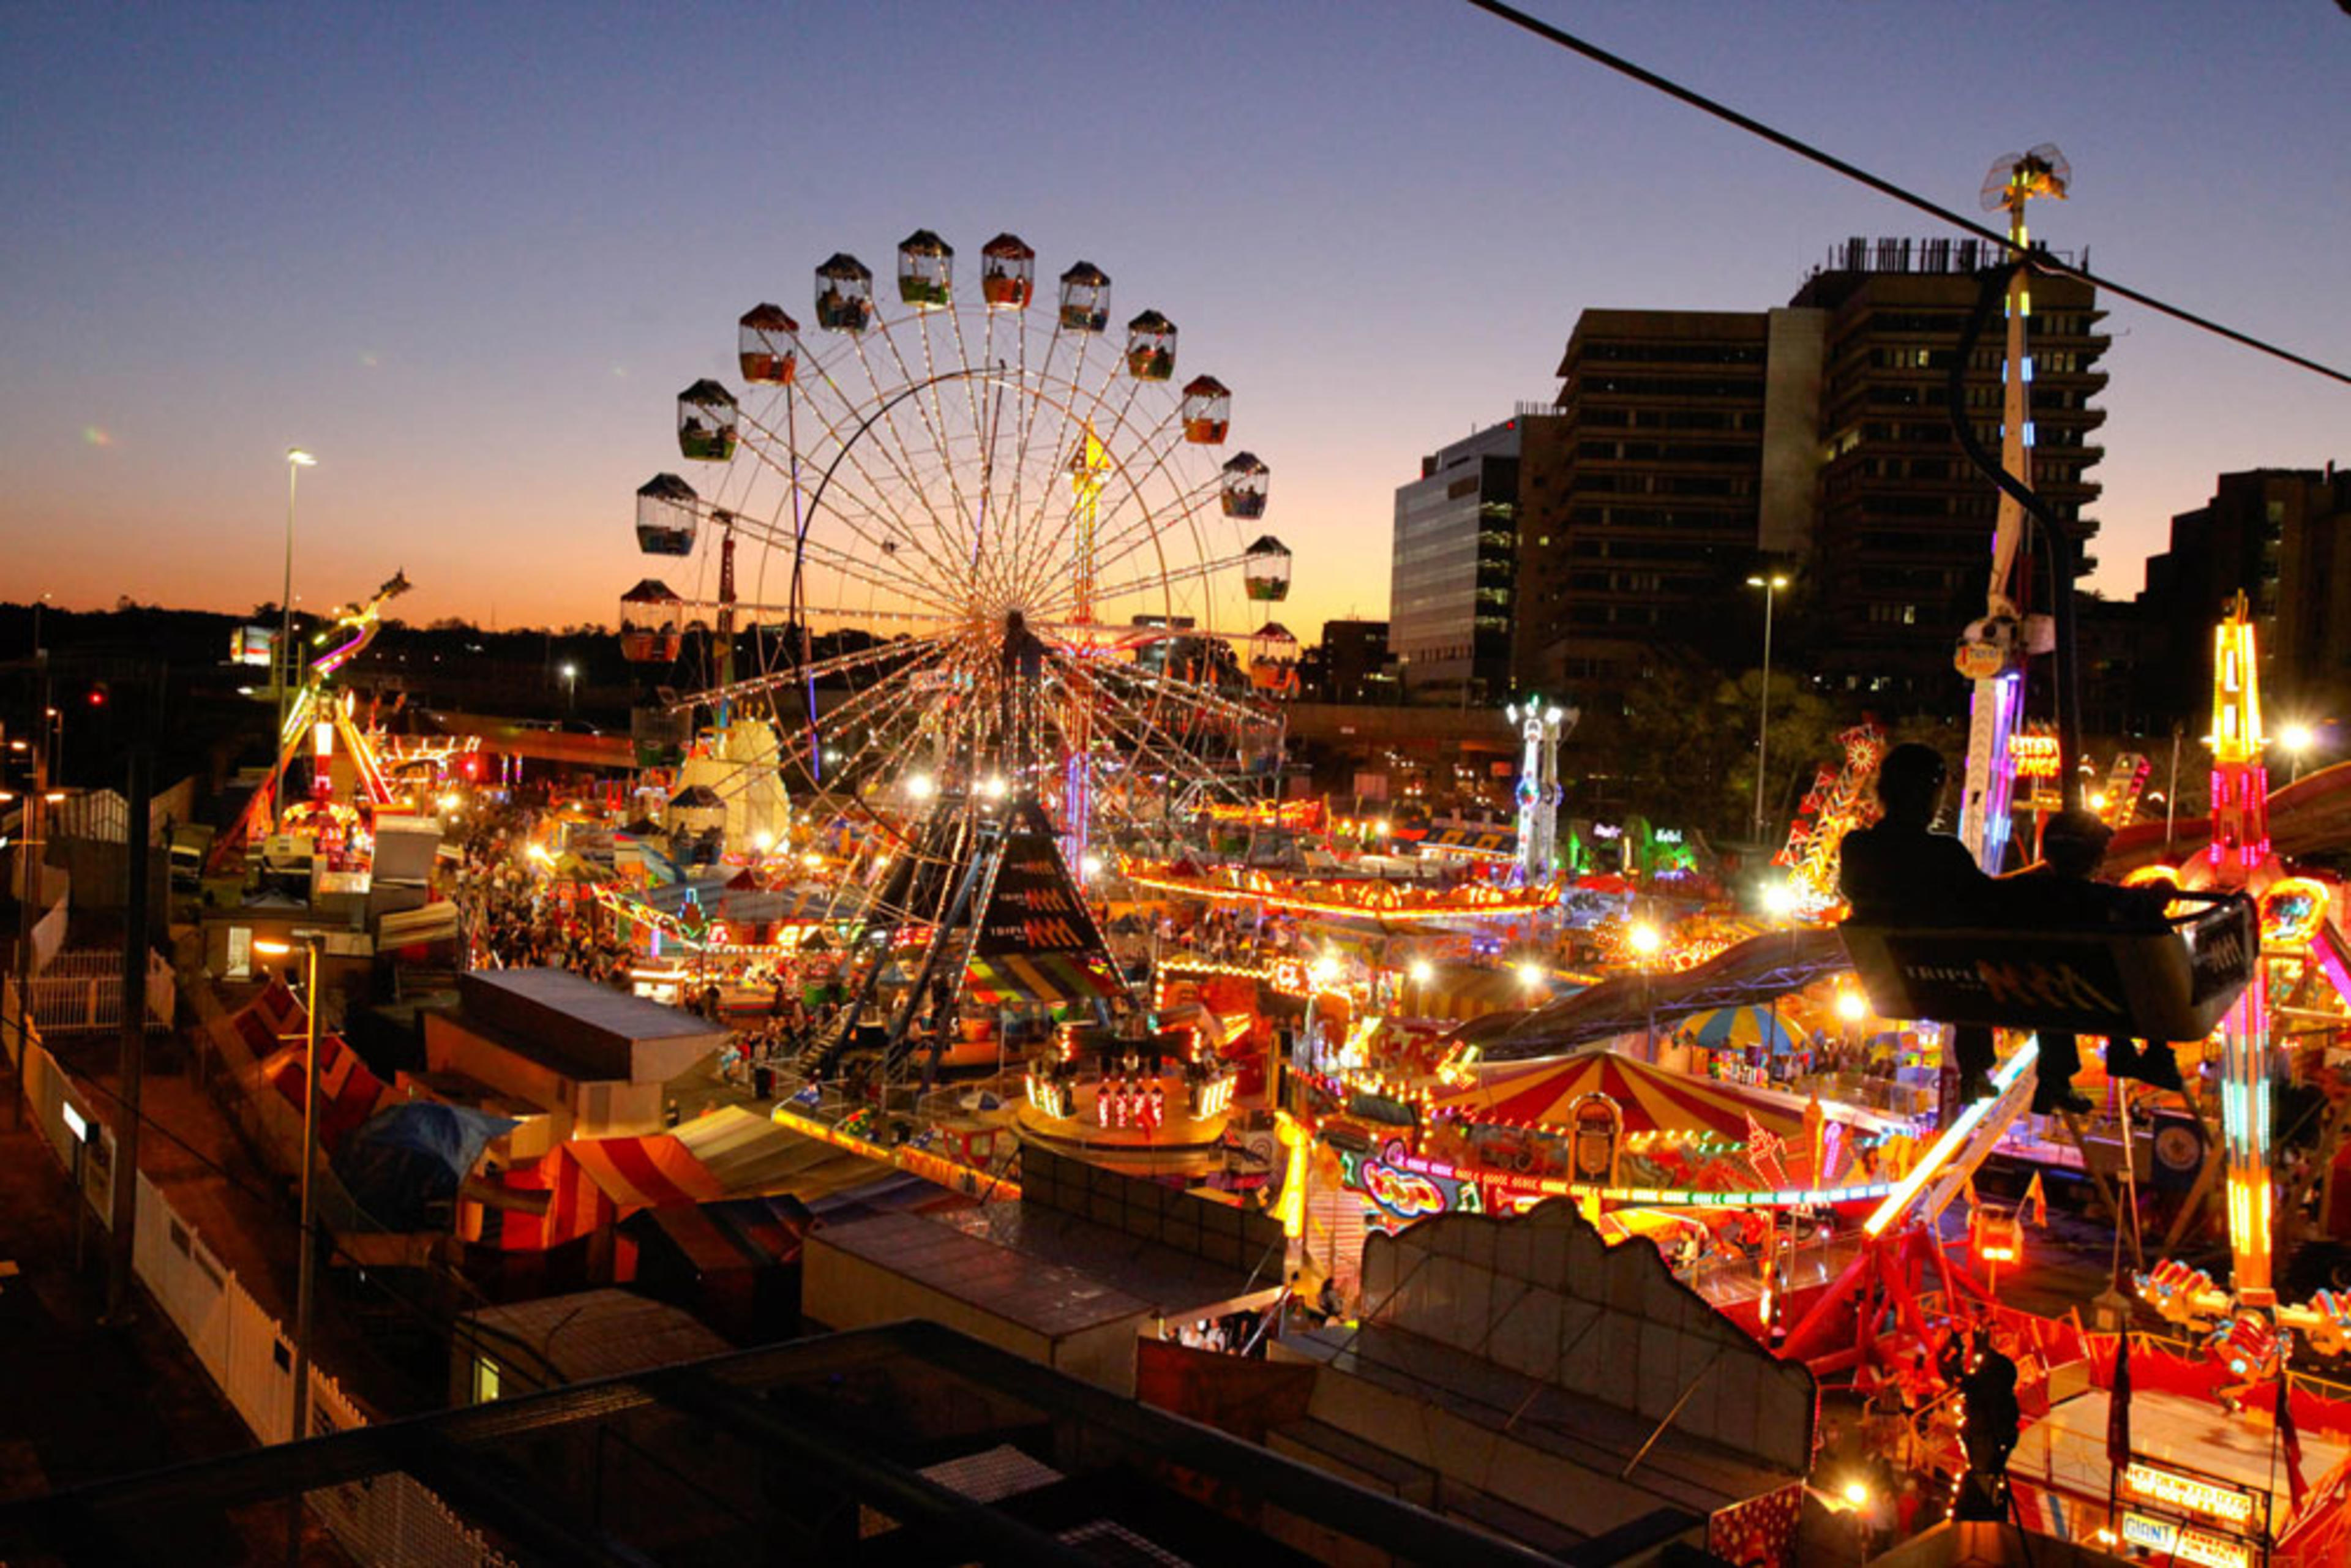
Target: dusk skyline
469, 258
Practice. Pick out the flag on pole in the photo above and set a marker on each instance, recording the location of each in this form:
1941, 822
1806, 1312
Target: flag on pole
2036, 1201
2290, 1441
2119, 1433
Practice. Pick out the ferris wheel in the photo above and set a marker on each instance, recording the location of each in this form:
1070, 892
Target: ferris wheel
977, 549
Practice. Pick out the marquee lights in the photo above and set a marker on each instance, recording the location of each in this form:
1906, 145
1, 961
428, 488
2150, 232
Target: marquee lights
2192, 1494
1649, 1197
1377, 902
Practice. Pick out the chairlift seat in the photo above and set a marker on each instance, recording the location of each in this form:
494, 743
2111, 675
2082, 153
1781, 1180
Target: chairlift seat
2165, 984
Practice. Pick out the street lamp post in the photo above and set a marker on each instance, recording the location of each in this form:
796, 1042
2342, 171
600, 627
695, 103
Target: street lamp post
1770, 584
2298, 739
570, 687
296, 461
1645, 940
308, 1263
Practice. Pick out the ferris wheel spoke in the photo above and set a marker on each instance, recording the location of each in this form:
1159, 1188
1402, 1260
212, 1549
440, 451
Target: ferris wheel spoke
846, 446
935, 424
875, 576
1030, 525
1203, 701
743, 607
953, 539
879, 707
889, 579
1148, 746
1162, 579
1028, 422
1136, 478
1133, 522
822, 669
870, 513
1049, 520
984, 425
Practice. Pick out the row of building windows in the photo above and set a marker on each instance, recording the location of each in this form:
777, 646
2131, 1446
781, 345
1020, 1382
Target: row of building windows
1608, 383
1665, 451
1671, 418
1667, 485
1689, 518
1658, 550
1656, 353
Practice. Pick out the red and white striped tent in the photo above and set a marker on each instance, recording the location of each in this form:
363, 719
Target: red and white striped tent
591, 1183
1544, 1094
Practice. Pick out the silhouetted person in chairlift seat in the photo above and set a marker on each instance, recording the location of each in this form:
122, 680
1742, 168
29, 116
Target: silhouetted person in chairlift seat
1899, 873
2060, 892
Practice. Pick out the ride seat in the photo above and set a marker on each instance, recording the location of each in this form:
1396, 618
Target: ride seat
2171, 984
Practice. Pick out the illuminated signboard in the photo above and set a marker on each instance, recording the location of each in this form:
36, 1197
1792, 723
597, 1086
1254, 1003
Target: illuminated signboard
2189, 1494
253, 645
2034, 756
2185, 1543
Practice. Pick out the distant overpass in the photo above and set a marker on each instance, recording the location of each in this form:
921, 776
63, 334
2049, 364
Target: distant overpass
1423, 728
522, 737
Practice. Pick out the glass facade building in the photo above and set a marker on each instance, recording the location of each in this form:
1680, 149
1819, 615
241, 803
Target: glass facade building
1454, 556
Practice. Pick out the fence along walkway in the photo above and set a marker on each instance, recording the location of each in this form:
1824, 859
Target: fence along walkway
391, 1518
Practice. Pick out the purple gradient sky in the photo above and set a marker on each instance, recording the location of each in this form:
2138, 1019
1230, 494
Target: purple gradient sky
469, 254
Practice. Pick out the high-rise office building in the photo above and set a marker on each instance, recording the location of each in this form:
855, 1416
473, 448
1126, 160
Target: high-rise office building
1355, 663
2282, 537
1687, 440
1901, 556
1812, 439
1453, 561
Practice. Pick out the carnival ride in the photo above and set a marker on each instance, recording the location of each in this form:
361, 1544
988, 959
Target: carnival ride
322, 716
2296, 957
1840, 800
994, 612
999, 520
1993, 651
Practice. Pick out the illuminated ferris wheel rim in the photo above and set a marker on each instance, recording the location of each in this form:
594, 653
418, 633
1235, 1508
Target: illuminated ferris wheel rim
1044, 603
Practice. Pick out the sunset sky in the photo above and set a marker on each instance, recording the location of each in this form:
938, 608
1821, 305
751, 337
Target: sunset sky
468, 255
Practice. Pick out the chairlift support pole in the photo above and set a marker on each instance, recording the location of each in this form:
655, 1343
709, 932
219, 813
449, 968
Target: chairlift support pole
1999, 693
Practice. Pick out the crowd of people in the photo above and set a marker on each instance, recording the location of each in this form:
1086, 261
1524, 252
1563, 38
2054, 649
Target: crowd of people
509, 918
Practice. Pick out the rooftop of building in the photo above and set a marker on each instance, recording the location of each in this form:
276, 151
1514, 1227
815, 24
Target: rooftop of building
589, 1334
907, 1443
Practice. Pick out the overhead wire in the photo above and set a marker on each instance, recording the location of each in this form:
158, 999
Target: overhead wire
2041, 260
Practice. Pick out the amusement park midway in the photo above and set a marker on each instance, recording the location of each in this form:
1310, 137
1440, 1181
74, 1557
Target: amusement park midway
1754, 1020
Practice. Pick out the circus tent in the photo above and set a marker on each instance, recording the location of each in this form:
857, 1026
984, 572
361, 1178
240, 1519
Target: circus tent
1652, 1099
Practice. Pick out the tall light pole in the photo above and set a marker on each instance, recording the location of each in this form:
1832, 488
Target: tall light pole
1644, 939
308, 1263
296, 461
1770, 584
570, 687
2298, 739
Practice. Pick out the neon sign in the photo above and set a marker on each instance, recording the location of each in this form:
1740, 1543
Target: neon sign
2034, 756
2187, 1493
